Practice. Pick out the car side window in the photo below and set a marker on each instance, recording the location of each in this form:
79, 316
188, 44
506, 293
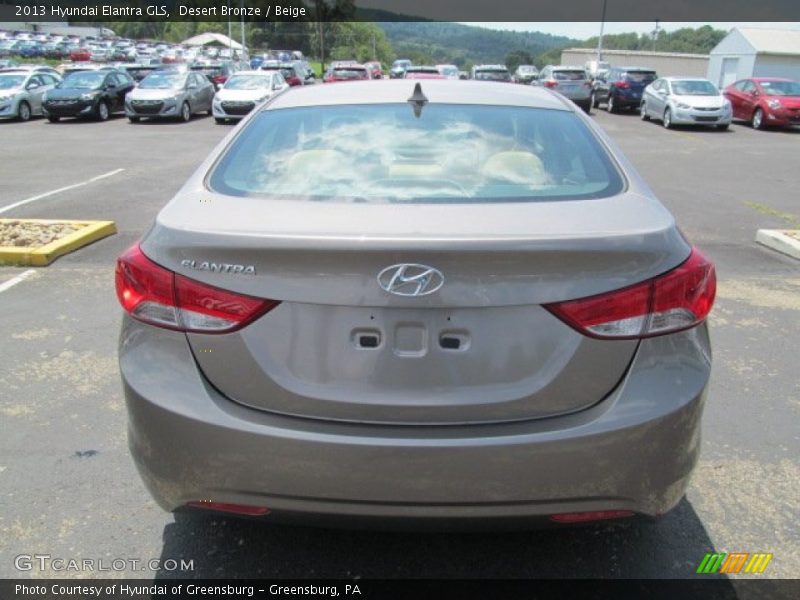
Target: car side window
748, 86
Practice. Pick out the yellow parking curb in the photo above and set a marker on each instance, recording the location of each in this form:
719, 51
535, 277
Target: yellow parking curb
90, 231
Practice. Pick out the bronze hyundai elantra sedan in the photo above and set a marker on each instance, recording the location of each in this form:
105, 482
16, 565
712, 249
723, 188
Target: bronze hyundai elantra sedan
420, 301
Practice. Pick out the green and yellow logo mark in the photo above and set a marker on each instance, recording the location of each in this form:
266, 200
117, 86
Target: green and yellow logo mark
735, 562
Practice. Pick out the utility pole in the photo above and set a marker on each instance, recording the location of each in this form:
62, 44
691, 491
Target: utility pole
230, 48
242, 22
655, 34
602, 27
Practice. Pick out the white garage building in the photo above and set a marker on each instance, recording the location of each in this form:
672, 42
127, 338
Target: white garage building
747, 52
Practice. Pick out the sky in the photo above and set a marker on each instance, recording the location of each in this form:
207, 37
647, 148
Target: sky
590, 29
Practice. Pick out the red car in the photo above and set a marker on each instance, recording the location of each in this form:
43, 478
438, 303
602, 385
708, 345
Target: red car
375, 69
765, 101
80, 54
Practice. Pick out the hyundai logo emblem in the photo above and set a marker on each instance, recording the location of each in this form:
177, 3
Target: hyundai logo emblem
411, 280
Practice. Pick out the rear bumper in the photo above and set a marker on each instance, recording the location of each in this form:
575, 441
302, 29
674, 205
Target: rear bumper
634, 451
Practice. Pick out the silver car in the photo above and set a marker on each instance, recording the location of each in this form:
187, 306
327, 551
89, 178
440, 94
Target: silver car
686, 101
426, 300
21, 92
169, 94
244, 91
570, 81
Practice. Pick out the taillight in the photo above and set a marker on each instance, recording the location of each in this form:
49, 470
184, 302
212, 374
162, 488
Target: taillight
621, 84
155, 295
550, 84
220, 79
676, 300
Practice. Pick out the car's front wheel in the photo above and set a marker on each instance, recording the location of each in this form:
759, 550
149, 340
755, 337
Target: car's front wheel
610, 104
643, 112
54, 119
24, 112
134, 119
186, 112
102, 111
668, 119
758, 119
221, 121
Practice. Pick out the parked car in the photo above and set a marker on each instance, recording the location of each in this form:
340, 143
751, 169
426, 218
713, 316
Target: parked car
292, 73
423, 72
375, 69
244, 91
9, 48
685, 101
217, 73
351, 72
21, 92
95, 93
448, 71
30, 49
622, 87
398, 69
525, 74
765, 101
491, 73
570, 81
169, 94
80, 54
407, 372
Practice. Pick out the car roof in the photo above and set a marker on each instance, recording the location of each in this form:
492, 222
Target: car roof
443, 91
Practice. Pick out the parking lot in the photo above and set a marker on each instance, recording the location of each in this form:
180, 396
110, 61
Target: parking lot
69, 489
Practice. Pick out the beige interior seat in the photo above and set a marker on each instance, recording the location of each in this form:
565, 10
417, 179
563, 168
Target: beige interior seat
515, 167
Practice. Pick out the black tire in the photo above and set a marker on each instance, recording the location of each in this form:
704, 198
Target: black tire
221, 121
102, 112
587, 107
134, 119
667, 120
186, 112
643, 112
611, 106
24, 111
594, 100
54, 119
757, 121
723, 127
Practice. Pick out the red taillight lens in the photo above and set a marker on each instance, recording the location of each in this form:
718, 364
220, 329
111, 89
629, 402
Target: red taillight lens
677, 300
236, 509
155, 295
595, 515
550, 84
622, 84
220, 79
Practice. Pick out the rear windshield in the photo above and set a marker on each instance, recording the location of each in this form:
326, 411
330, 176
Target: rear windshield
569, 75
495, 75
383, 153
640, 76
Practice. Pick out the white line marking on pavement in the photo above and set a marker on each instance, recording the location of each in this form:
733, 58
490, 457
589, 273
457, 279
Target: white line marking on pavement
15, 280
59, 190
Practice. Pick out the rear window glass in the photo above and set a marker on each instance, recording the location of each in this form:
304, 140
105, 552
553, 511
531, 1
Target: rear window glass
640, 76
383, 153
569, 75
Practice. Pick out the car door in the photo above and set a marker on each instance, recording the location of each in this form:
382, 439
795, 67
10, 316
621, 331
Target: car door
656, 95
35, 87
206, 91
733, 94
748, 101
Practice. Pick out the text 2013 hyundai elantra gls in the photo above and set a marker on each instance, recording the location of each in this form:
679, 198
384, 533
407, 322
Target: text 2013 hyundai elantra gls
416, 300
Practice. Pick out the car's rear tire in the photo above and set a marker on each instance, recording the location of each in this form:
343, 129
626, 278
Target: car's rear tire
102, 111
587, 107
643, 112
24, 111
134, 119
758, 119
54, 119
186, 112
610, 104
593, 100
667, 120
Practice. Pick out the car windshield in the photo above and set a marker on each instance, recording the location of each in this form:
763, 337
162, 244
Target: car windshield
384, 153
781, 88
569, 75
8, 82
694, 88
640, 76
448, 71
350, 73
83, 80
163, 81
492, 75
248, 82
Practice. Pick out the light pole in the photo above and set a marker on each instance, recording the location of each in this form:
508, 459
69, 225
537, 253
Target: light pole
600, 39
656, 31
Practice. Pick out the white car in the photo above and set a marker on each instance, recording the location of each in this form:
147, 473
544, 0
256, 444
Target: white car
21, 92
448, 71
685, 101
244, 91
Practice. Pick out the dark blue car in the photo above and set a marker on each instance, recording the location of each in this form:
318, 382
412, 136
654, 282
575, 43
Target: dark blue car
622, 87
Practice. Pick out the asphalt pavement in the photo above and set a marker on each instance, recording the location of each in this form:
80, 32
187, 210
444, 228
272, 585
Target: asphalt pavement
68, 487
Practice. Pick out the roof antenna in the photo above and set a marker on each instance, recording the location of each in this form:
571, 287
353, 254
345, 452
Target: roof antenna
418, 100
